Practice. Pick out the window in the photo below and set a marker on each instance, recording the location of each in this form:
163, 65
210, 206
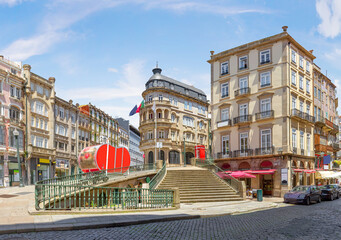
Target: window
150, 98
40, 90
190, 105
61, 130
224, 68
265, 79
301, 82
45, 125
307, 86
2, 135
307, 66
293, 77
201, 140
243, 85
1, 86
308, 144
301, 62
14, 113
265, 138
32, 121
45, 143
315, 112
161, 134
319, 94
315, 92
293, 102
243, 143
39, 141
265, 56
186, 104
294, 140
243, 62
201, 125
293, 56
66, 114
73, 118
243, 110
224, 90
73, 133
47, 92
39, 108
18, 93
308, 109
61, 112
160, 97
61, 146
173, 118
150, 135
265, 107
225, 146
12, 91
301, 106
188, 121
301, 140
225, 114
173, 135
32, 86
41, 123
188, 136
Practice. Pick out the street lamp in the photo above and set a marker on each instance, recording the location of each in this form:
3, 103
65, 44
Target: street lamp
16, 135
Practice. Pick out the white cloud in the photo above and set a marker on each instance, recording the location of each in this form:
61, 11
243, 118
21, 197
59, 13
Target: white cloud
62, 14
336, 54
114, 70
11, 3
330, 14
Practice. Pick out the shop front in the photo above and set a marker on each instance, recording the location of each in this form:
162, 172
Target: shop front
39, 169
62, 167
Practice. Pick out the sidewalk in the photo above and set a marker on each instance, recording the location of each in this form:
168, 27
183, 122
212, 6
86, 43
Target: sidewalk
15, 218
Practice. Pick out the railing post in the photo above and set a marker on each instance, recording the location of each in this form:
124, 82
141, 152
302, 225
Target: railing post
176, 197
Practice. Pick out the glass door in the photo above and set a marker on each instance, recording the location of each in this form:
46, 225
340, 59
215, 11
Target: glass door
243, 144
243, 85
225, 145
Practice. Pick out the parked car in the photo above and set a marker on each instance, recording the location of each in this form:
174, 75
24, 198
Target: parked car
330, 192
303, 194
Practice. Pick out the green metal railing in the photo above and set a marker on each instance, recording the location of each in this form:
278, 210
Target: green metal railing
158, 177
64, 197
76, 192
209, 164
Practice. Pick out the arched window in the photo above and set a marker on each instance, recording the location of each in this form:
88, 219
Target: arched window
244, 166
174, 157
150, 157
189, 155
173, 118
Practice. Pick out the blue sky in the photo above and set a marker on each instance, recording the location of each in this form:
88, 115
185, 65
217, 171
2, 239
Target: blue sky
103, 51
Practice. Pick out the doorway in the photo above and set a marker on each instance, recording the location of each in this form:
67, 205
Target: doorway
267, 184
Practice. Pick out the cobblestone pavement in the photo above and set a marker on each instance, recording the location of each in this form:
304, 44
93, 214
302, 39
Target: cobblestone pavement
317, 221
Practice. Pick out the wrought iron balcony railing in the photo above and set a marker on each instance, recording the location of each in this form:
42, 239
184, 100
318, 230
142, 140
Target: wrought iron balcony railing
264, 151
265, 115
227, 154
243, 153
224, 123
242, 91
242, 119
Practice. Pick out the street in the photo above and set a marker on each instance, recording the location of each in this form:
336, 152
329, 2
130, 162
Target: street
317, 221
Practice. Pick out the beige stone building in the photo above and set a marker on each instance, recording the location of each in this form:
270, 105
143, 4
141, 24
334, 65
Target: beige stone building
262, 107
40, 125
181, 120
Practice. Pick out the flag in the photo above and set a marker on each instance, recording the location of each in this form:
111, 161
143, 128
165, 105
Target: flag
154, 107
133, 111
140, 107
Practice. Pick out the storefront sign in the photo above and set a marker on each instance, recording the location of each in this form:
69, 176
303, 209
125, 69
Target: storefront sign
284, 176
44, 160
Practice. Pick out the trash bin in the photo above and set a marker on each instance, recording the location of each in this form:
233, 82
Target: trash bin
259, 195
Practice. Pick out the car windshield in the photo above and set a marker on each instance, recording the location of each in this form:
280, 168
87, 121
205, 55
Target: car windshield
300, 189
328, 187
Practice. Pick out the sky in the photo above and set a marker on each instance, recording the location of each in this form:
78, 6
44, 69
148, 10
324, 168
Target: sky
104, 51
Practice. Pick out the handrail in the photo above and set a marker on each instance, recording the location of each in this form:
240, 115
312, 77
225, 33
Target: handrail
233, 182
158, 177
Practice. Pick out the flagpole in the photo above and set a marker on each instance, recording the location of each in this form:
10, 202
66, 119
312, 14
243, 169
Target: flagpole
106, 172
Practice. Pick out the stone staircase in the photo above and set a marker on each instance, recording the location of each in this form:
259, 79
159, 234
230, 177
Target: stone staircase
198, 185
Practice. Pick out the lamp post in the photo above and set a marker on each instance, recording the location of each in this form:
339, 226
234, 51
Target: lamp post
16, 135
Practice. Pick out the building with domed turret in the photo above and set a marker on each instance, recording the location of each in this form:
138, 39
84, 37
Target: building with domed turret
177, 124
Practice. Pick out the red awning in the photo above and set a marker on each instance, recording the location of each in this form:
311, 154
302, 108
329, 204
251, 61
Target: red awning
263, 171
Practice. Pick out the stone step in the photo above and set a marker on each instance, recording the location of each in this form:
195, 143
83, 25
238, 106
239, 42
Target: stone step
211, 200
209, 195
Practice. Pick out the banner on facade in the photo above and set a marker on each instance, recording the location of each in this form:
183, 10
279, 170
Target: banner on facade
44, 160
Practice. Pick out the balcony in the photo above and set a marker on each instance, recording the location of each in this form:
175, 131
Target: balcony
295, 113
242, 119
243, 153
224, 123
335, 128
336, 146
242, 92
264, 62
319, 121
265, 115
264, 151
222, 155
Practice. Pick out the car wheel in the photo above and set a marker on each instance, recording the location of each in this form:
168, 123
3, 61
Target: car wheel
308, 201
319, 200
331, 197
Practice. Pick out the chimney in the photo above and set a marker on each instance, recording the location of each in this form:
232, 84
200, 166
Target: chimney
311, 51
285, 28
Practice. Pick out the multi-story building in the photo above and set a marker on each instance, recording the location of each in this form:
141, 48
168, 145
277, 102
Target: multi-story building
84, 131
40, 120
123, 140
103, 126
262, 100
11, 118
326, 118
179, 122
136, 156
65, 136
